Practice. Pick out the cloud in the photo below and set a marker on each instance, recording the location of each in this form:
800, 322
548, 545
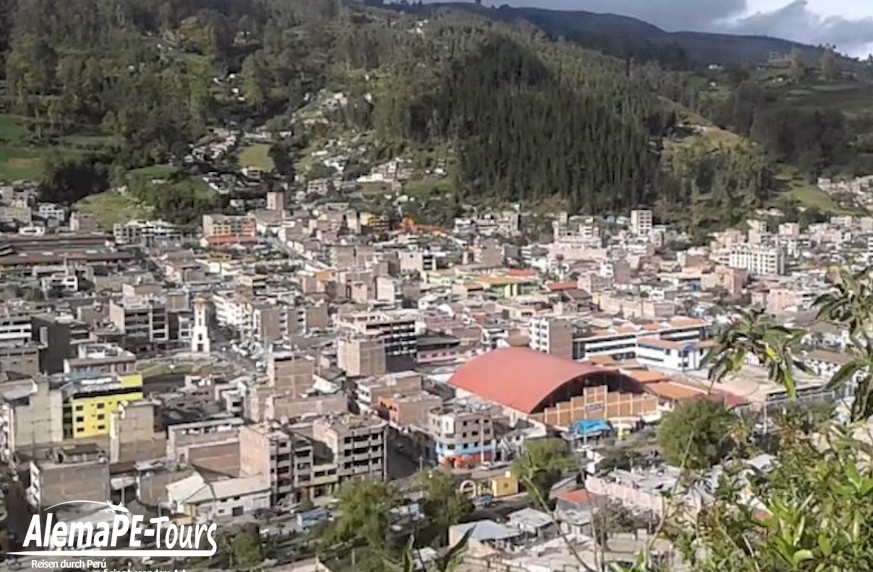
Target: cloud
793, 21
797, 22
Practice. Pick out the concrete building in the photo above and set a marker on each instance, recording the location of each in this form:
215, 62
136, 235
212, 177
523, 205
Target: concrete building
397, 331
21, 359
73, 473
101, 359
462, 436
146, 233
276, 201
641, 222
408, 411
31, 417
368, 392
144, 321
211, 444
205, 500
291, 373
758, 260
287, 458
358, 445
361, 356
90, 399
136, 433
229, 229
60, 335
552, 336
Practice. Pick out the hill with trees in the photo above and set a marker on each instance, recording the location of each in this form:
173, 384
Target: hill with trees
526, 117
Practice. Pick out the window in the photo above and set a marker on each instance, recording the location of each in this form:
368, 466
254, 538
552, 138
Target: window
80, 419
101, 427
80, 408
101, 405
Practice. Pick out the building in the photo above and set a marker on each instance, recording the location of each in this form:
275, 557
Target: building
145, 233
462, 436
758, 260
136, 432
221, 229
21, 359
361, 356
622, 342
641, 222
60, 335
90, 400
554, 391
206, 499
200, 331
357, 444
31, 417
283, 455
276, 201
552, 336
71, 473
396, 330
101, 359
291, 373
408, 411
143, 320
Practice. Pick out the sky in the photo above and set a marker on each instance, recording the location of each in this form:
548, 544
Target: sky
848, 24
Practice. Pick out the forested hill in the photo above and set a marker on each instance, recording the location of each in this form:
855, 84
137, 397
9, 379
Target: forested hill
623, 36
525, 117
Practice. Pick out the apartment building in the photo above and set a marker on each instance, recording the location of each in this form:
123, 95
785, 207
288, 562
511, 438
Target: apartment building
221, 229
358, 445
145, 233
212, 443
462, 435
408, 411
15, 326
144, 321
361, 356
136, 432
101, 359
368, 392
552, 336
758, 259
31, 416
21, 359
90, 399
291, 373
396, 330
622, 342
286, 457
641, 222
71, 472
60, 335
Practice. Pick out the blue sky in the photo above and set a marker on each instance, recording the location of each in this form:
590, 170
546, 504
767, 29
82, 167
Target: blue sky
848, 24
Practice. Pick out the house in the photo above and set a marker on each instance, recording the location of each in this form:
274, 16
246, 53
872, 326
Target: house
203, 499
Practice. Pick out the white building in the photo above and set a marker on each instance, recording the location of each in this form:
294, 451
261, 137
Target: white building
205, 500
760, 260
641, 222
52, 211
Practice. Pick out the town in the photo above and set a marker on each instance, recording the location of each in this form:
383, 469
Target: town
253, 368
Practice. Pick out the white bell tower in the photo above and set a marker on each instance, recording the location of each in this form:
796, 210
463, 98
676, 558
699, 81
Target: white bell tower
200, 331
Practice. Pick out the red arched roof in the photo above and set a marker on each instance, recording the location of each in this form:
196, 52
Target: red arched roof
519, 378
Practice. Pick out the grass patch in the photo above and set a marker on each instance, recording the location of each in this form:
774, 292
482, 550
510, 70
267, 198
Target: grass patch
112, 207
424, 188
12, 129
808, 194
153, 172
256, 157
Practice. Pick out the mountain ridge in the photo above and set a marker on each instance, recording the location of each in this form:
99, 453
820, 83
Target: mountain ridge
631, 37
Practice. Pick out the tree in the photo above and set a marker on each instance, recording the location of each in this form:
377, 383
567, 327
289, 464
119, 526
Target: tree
542, 464
363, 514
696, 434
248, 552
444, 504
798, 65
830, 66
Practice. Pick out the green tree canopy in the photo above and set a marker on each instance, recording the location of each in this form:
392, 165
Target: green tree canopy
696, 435
444, 504
542, 464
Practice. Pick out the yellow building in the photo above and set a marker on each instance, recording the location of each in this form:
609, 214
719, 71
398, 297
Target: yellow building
89, 403
498, 483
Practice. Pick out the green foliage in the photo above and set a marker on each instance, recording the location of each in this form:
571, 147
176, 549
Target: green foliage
363, 515
444, 504
67, 180
542, 464
754, 333
177, 199
696, 435
248, 552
